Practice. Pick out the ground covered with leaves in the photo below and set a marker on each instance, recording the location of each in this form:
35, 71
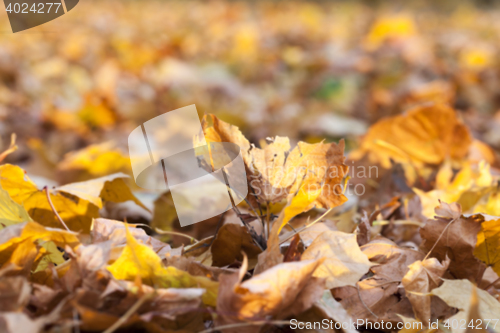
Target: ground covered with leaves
369, 136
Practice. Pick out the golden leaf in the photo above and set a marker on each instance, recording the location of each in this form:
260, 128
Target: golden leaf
424, 135
139, 260
488, 243
10, 211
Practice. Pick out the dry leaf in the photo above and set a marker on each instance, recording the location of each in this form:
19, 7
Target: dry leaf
345, 264
424, 135
459, 294
284, 290
422, 277
139, 260
274, 171
454, 238
488, 242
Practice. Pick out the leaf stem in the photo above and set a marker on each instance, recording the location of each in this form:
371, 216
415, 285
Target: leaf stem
165, 232
46, 189
253, 323
307, 226
268, 223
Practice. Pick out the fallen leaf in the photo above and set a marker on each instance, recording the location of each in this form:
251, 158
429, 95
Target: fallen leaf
489, 307
488, 243
19, 243
10, 211
284, 290
422, 277
455, 238
274, 171
230, 242
335, 311
424, 135
139, 260
391, 260
108, 188
344, 265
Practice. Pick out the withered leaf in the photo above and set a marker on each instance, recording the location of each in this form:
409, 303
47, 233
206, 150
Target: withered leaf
344, 265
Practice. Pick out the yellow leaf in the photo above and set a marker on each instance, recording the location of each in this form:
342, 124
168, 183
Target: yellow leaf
394, 26
488, 243
10, 211
139, 260
424, 135
468, 188
76, 212
108, 188
95, 161
19, 243
49, 254
303, 201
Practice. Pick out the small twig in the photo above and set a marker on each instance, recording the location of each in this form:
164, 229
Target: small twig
165, 232
129, 313
397, 222
268, 222
253, 323
249, 228
308, 225
363, 302
46, 189
12, 148
491, 284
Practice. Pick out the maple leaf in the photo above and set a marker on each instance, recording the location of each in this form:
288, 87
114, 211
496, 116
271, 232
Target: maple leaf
230, 242
392, 260
468, 187
454, 235
422, 277
275, 171
108, 188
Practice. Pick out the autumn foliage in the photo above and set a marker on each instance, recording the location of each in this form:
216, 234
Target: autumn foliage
373, 190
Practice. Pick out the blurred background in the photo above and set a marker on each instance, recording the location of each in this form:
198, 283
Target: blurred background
74, 88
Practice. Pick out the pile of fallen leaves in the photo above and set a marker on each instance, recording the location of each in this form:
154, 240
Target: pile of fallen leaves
399, 223
420, 245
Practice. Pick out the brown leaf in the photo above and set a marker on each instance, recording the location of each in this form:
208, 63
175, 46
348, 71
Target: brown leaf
422, 277
229, 243
392, 260
284, 290
454, 237
374, 299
